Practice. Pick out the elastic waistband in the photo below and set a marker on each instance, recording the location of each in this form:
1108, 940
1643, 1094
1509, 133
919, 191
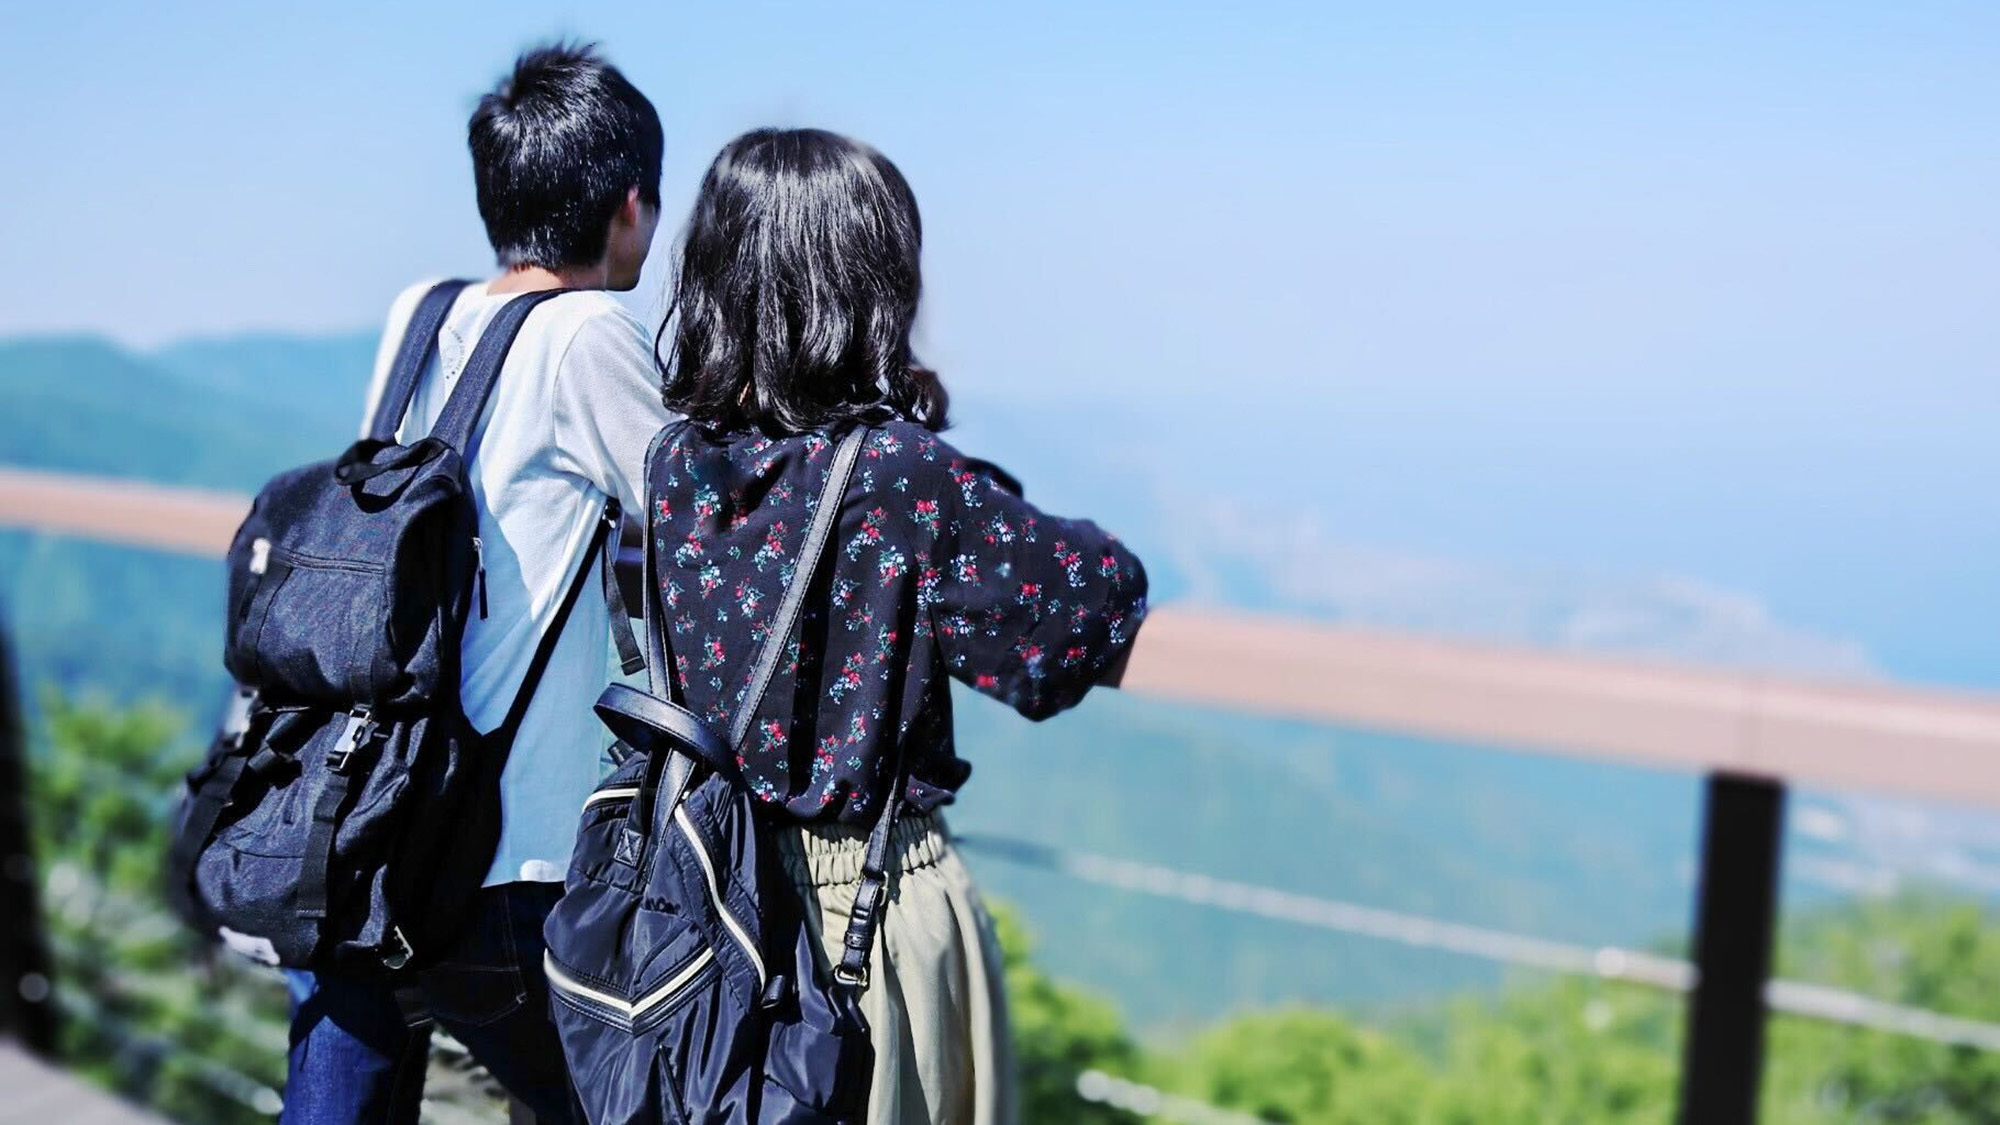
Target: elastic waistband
827, 854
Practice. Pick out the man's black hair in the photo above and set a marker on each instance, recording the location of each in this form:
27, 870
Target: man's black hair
555, 148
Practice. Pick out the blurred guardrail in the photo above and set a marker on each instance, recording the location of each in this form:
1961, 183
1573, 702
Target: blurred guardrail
1750, 735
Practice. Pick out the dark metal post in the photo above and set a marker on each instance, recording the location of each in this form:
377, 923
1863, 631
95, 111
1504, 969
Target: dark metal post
27, 1008
1736, 919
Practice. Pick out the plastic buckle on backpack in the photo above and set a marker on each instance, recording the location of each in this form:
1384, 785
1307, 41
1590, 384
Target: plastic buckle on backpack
360, 728
400, 952
236, 724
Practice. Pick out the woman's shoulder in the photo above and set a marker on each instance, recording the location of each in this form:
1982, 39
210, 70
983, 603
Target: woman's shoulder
921, 455
895, 454
898, 442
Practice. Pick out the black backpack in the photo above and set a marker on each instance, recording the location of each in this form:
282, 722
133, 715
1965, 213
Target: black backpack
348, 810
686, 980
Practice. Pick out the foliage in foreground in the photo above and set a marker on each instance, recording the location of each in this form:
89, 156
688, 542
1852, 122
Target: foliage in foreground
1575, 1052
149, 1010
154, 1014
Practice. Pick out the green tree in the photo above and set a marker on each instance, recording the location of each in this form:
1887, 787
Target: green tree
151, 1010
1059, 1032
1922, 948
1306, 1066
1571, 1052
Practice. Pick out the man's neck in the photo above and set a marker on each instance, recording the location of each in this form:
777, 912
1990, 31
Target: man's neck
532, 279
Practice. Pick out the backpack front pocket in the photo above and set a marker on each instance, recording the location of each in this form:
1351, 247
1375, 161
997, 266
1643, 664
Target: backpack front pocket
311, 628
631, 1013
255, 872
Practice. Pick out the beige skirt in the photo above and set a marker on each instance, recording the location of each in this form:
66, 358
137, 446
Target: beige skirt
936, 1001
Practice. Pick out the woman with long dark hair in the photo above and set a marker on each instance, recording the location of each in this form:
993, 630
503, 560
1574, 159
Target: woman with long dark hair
791, 314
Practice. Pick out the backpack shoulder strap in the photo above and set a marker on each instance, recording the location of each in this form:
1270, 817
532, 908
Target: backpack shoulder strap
659, 667
865, 916
475, 385
412, 356
810, 553
603, 537
659, 662
630, 659
659, 675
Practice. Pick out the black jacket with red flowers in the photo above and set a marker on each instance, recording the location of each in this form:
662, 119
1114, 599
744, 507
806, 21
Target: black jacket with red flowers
936, 567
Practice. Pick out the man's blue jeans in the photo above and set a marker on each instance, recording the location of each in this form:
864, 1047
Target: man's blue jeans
354, 1061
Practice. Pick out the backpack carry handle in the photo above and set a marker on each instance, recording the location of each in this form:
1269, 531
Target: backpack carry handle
358, 464
644, 721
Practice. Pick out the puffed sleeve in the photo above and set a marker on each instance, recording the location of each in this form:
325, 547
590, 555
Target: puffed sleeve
1029, 608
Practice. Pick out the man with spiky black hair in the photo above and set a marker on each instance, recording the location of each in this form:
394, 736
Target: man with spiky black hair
566, 164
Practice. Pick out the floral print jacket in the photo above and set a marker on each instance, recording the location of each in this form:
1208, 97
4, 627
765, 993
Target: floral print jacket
936, 568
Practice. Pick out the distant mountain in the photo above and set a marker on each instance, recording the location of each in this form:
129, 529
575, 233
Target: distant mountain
218, 414
318, 380
85, 404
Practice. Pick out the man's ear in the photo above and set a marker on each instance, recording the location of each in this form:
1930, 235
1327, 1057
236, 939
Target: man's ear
630, 211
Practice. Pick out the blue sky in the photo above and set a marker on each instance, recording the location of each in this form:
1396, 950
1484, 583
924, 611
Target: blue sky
1704, 289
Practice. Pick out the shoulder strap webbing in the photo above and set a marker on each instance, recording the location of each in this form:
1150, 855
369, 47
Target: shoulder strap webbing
412, 356
601, 539
204, 805
454, 427
866, 914
615, 703
659, 674
660, 667
475, 384
630, 660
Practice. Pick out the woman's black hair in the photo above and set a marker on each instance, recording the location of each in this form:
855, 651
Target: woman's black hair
797, 290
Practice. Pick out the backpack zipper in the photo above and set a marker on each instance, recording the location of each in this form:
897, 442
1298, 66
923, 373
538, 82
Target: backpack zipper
260, 561
479, 580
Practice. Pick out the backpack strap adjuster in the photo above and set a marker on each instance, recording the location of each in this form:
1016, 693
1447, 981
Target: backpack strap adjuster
396, 953
360, 728
236, 723
852, 970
